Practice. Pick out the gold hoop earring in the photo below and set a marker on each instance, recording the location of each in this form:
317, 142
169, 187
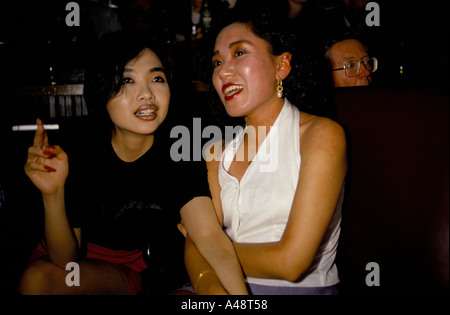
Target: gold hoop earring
280, 89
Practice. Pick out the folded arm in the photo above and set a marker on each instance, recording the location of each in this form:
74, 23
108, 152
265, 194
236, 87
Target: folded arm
204, 229
202, 275
323, 169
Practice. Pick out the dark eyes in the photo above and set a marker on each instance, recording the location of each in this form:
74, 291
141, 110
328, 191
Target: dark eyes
157, 79
238, 53
351, 65
127, 80
216, 63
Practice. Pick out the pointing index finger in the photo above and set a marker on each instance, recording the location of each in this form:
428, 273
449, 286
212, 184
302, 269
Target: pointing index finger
40, 136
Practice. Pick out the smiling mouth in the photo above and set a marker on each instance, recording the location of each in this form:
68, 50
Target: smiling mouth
231, 90
146, 112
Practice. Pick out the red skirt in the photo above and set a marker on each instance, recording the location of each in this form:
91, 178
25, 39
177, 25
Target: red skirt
129, 263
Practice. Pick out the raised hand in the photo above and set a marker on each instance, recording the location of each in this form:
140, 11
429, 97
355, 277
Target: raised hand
47, 166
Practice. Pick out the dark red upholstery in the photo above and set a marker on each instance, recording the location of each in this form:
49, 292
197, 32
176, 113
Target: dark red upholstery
396, 210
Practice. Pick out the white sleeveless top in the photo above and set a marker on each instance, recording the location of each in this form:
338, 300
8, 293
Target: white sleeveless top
256, 209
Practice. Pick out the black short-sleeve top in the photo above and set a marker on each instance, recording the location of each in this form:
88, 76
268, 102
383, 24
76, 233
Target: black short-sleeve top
124, 206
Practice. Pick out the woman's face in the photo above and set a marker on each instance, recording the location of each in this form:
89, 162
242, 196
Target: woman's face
245, 72
143, 101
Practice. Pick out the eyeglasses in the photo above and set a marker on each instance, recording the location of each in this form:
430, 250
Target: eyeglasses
353, 66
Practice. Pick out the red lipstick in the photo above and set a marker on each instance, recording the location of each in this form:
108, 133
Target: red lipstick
230, 90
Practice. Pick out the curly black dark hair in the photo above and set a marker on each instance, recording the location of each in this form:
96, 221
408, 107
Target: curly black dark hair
307, 85
104, 74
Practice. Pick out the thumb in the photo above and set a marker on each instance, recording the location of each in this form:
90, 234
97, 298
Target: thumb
182, 229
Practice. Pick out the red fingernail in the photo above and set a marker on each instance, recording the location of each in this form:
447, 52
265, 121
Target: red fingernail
50, 169
48, 153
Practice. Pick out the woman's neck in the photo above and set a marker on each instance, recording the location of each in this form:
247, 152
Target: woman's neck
261, 120
129, 147
265, 115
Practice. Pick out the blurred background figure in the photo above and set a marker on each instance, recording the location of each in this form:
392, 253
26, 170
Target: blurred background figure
350, 63
193, 19
150, 16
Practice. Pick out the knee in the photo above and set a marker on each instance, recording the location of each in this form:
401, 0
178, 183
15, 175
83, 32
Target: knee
40, 277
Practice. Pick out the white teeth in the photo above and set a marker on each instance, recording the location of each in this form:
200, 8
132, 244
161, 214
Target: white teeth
231, 89
147, 112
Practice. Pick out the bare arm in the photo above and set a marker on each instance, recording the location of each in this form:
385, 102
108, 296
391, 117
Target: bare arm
62, 242
204, 229
205, 224
47, 167
321, 177
206, 284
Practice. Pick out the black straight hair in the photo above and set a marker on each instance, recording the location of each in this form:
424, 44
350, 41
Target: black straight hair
104, 74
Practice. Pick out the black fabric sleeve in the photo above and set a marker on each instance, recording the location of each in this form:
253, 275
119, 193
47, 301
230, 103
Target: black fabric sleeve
192, 182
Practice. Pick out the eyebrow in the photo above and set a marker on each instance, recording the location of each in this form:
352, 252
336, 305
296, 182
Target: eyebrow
155, 69
231, 45
355, 58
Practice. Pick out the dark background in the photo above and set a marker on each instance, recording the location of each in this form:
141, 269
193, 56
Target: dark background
35, 37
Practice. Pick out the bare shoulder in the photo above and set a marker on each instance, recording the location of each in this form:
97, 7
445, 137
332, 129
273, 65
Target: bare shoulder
213, 153
321, 133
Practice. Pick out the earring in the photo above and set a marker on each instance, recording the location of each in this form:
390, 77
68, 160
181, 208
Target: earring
280, 89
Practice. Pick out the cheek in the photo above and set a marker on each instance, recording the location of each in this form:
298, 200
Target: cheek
216, 81
260, 78
340, 79
163, 97
113, 106
116, 107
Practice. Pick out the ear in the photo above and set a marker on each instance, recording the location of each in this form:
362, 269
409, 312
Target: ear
284, 65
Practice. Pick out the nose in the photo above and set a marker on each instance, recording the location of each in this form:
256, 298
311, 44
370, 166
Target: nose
364, 76
363, 72
225, 70
145, 92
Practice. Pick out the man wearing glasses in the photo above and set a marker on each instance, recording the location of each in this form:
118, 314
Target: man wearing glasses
350, 63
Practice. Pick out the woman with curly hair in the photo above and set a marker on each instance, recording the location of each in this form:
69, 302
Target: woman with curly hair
278, 185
